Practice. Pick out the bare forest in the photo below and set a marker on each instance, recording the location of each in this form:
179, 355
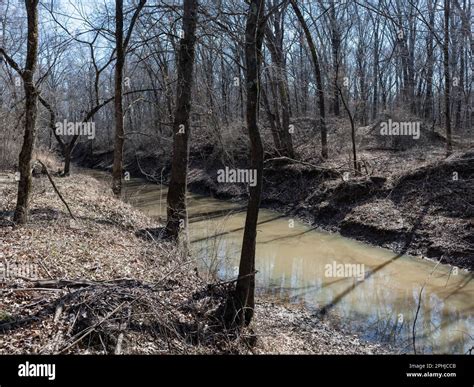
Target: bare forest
246, 177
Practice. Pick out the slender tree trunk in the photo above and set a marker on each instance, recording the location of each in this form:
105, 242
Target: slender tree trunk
177, 212
375, 72
275, 42
271, 118
460, 87
447, 79
67, 159
121, 45
245, 288
303, 78
319, 82
118, 103
335, 46
31, 108
428, 110
240, 87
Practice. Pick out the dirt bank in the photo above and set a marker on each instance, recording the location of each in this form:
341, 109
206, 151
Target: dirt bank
95, 285
416, 203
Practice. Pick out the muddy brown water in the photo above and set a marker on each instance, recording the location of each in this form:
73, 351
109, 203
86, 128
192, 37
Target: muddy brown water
377, 300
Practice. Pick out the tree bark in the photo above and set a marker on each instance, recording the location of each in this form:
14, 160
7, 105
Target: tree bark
319, 82
118, 103
275, 45
176, 200
31, 109
460, 87
245, 288
335, 46
428, 109
121, 45
67, 159
447, 79
375, 71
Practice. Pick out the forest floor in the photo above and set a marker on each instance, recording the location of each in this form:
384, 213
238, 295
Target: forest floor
96, 285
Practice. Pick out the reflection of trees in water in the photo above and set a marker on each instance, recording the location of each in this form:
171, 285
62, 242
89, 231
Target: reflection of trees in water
375, 307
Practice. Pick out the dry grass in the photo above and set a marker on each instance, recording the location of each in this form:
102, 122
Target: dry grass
50, 160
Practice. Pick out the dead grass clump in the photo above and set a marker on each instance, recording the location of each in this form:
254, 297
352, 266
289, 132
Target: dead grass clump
49, 159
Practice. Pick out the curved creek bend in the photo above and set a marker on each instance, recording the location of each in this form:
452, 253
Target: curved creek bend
292, 267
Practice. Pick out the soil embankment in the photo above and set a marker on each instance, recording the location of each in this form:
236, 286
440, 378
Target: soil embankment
412, 205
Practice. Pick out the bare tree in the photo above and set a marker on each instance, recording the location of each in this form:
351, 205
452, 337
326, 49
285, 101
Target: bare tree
177, 213
31, 110
121, 45
245, 288
275, 39
447, 79
428, 108
318, 77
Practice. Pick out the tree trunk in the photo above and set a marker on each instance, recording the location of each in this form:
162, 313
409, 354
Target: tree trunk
319, 82
271, 118
447, 79
428, 110
31, 108
275, 41
375, 71
118, 103
335, 45
460, 87
245, 288
177, 213
67, 159
121, 45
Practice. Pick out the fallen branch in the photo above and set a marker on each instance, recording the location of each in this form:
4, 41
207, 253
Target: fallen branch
63, 283
30, 290
55, 188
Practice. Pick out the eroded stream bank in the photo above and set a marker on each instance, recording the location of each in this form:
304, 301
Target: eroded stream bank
293, 261
418, 205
